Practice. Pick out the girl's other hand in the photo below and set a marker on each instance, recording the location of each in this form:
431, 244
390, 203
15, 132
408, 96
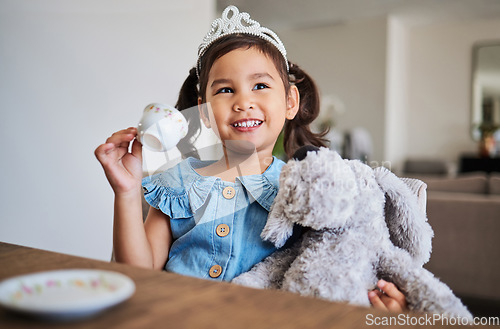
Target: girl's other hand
123, 169
389, 299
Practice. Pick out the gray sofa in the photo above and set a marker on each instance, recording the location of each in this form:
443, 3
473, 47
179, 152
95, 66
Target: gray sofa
464, 212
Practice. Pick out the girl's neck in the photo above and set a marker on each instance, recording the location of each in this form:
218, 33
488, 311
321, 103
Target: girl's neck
233, 165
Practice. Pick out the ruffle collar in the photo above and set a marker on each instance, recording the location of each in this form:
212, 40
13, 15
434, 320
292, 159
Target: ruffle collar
181, 191
262, 188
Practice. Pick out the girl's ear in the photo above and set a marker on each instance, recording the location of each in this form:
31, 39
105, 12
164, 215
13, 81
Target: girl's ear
202, 108
293, 102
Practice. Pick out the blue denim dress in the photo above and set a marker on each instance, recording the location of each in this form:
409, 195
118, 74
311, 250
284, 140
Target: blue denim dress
216, 225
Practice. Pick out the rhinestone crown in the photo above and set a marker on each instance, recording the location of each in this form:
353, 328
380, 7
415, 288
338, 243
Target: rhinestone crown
237, 23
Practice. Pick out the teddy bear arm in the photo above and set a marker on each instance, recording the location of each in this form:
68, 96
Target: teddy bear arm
269, 273
423, 291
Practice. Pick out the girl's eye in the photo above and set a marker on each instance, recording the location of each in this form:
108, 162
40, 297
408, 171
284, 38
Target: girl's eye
260, 86
224, 90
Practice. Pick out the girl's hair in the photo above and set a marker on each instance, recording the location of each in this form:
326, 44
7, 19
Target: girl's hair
297, 132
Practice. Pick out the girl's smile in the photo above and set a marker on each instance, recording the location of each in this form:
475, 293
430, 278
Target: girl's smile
246, 125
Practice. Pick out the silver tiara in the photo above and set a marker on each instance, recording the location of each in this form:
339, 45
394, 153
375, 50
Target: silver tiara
237, 23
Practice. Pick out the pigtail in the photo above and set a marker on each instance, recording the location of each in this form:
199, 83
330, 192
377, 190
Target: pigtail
297, 132
188, 98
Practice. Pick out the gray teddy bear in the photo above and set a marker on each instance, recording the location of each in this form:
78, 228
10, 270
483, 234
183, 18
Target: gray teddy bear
362, 224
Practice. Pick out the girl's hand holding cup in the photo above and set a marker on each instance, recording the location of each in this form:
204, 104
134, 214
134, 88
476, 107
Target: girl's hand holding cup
123, 169
160, 129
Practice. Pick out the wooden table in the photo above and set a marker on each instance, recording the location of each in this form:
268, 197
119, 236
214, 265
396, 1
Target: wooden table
166, 300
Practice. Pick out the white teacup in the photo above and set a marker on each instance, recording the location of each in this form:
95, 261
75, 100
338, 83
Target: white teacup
161, 127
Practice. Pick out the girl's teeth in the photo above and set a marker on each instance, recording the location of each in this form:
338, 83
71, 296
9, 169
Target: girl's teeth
251, 123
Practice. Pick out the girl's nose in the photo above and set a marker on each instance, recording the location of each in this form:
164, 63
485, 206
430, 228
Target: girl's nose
243, 102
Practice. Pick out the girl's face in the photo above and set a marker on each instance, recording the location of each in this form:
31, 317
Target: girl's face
248, 102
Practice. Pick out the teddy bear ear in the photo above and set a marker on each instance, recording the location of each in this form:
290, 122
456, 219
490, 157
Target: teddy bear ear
405, 214
278, 228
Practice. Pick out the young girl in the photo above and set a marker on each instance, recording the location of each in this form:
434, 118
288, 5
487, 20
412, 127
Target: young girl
205, 218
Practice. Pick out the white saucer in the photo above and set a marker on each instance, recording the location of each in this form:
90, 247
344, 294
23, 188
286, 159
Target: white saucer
65, 294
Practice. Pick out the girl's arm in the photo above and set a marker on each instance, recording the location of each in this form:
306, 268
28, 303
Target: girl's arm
136, 243
159, 236
145, 245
